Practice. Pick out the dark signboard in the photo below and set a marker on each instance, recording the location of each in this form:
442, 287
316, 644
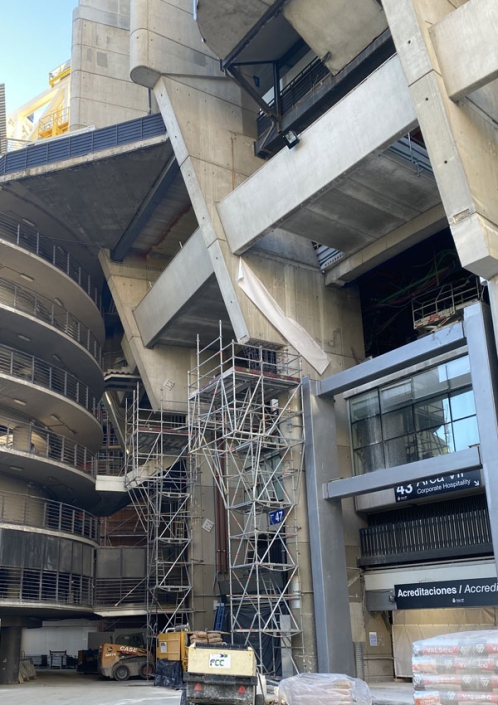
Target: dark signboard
276, 517
438, 485
476, 592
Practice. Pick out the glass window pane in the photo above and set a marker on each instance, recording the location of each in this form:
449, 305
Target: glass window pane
366, 432
436, 441
462, 404
364, 405
401, 450
465, 433
458, 372
432, 412
396, 395
430, 382
397, 423
368, 459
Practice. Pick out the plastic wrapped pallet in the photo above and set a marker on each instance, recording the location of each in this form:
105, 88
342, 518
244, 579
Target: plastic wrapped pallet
456, 668
323, 689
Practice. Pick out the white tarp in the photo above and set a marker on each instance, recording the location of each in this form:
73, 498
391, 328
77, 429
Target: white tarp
290, 329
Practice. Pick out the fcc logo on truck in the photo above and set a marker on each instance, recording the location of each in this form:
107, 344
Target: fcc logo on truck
219, 660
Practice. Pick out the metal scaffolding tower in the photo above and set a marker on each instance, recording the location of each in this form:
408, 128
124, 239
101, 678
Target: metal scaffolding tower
246, 426
158, 481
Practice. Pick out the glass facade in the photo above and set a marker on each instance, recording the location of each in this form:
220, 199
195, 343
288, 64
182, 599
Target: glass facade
418, 417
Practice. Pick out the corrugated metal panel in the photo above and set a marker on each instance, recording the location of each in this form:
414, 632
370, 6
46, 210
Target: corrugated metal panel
77, 145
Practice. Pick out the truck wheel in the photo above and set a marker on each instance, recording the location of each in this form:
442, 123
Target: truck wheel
121, 672
146, 670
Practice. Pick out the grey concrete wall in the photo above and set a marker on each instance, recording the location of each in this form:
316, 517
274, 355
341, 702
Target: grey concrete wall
102, 92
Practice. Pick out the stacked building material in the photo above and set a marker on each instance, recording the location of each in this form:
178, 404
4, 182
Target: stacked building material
209, 637
323, 689
456, 668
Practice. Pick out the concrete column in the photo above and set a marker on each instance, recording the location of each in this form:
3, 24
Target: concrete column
328, 559
10, 654
461, 137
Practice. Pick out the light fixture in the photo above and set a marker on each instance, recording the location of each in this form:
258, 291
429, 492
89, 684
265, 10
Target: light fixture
16, 467
58, 302
291, 138
56, 358
28, 222
19, 401
27, 277
24, 337
55, 417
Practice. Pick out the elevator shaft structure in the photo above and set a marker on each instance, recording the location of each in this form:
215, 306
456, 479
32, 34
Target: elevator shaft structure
246, 428
158, 481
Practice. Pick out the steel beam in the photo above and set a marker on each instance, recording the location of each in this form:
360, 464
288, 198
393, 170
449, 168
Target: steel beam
437, 343
328, 559
447, 464
155, 196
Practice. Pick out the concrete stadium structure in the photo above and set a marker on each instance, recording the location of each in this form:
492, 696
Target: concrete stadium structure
307, 176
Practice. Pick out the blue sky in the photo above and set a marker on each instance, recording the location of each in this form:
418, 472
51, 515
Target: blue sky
35, 37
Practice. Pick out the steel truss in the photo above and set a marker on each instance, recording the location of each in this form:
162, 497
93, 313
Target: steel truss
158, 481
245, 423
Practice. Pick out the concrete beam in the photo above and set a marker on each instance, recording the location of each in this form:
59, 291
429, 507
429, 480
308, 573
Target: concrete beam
437, 343
466, 46
460, 461
370, 118
386, 247
180, 281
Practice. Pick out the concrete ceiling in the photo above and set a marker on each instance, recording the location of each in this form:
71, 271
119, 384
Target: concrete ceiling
200, 316
65, 201
374, 199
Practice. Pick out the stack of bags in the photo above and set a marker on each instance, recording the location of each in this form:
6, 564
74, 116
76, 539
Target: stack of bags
456, 668
199, 637
323, 689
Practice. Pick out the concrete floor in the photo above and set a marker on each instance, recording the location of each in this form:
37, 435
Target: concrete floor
70, 688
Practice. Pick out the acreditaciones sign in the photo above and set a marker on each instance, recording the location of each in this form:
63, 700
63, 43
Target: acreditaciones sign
476, 592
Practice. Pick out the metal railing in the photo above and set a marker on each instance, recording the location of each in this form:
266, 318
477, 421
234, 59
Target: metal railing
295, 91
56, 150
30, 239
47, 514
31, 369
30, 438
36, 585
22, 299
120, 591
460, 531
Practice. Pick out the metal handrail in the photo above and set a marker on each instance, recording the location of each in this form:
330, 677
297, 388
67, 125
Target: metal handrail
37, 512
44, 309
31, 369
30, 438
32, 240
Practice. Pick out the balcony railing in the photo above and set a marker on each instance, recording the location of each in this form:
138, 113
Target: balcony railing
44, 309
47, 514
30, 438
31, 369
426, 538
30, 239
36, 585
